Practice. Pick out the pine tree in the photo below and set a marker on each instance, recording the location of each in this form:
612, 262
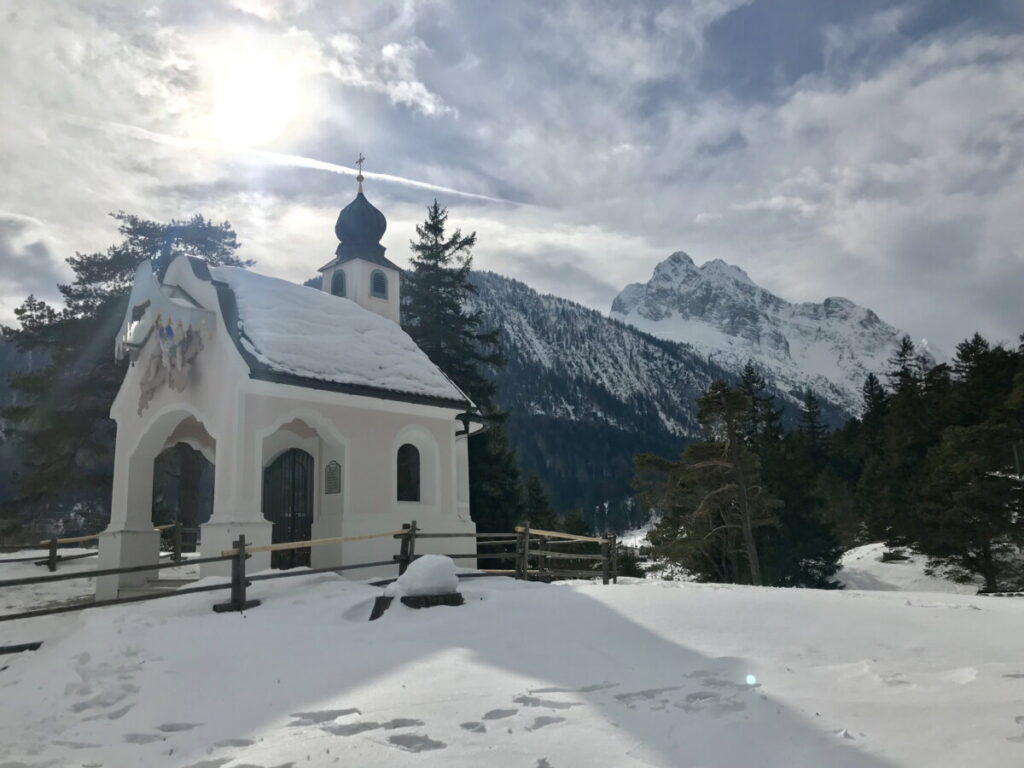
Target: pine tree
65, 437
438, 313
875, 407
437, 308
762, 428
712, 501
810, 421
802, 549
972, 512
538, 510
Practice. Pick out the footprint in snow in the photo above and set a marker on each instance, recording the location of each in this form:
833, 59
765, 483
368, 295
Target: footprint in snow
474, 727
542, 722
534, 701
175, 727
117, 714
76, 745
320, 716
411, 742
1019, 739
142, 738
234, 743
499, 714
350, 729
630, 699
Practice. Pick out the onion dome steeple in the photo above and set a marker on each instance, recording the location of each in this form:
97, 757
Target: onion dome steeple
360, 227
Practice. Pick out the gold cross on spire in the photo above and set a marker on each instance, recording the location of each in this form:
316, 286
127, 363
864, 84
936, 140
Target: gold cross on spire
359, 161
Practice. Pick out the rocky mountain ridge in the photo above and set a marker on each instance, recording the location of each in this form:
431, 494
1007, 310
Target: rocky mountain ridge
721, 313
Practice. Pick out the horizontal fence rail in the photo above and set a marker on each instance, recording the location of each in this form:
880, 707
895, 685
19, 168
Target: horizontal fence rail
286, 545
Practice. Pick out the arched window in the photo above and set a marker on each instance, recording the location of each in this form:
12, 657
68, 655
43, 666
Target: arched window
408, 473
378, 284
338, 283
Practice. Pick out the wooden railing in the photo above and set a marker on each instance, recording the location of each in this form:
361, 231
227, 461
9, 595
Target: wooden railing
54, 557
535, 544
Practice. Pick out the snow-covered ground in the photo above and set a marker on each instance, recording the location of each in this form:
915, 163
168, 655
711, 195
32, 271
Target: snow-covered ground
862, 568
635, 674
637, 537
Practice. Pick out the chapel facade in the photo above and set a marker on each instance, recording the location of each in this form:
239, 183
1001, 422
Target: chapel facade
321, 416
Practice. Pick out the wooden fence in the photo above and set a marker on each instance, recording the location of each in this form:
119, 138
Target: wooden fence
55, 557
535, 545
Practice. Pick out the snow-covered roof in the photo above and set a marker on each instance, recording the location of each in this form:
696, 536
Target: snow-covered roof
310, 336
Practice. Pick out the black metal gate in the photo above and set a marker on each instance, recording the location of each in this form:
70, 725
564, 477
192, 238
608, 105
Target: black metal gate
288, 504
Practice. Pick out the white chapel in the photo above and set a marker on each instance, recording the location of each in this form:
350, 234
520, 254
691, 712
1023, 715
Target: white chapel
320, 414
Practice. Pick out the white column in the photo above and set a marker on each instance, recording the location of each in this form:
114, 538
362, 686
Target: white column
130, 539
237, 496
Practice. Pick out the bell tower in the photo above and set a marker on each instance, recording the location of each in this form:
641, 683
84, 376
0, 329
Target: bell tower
359, 270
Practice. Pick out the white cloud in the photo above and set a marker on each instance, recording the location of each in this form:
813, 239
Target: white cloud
892, 173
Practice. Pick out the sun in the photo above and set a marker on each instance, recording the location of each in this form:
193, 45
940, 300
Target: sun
254, 95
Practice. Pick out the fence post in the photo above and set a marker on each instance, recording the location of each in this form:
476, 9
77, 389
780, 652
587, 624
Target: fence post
403, 550
519, 554
176, 554
523, 550
605, 561
238, 582
51, 561
542, 560
412, 547
615, 561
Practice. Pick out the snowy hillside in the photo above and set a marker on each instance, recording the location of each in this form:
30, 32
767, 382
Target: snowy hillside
716, 308
863, 568
524, 675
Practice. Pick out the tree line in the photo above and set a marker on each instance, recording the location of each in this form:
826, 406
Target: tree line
935, 463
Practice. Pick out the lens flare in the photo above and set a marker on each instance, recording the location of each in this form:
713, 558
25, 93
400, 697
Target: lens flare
751, 680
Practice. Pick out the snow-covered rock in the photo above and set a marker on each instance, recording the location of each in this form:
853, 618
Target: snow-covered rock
828, 347
426, 575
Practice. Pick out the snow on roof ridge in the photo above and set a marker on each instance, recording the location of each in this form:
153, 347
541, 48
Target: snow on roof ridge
302, 331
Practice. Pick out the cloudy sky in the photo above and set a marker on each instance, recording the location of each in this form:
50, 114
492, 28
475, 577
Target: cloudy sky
864, 149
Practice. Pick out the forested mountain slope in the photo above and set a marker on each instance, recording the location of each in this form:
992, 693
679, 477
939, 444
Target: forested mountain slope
585, 393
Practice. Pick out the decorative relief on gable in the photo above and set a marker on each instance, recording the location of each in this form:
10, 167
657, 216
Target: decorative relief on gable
171, 361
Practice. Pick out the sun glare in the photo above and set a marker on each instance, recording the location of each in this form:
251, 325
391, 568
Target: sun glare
254, 96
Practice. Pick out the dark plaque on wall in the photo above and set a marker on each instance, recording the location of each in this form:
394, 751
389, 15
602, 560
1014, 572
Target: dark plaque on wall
332, 478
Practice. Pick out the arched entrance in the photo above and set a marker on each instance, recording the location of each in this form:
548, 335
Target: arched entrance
288, 504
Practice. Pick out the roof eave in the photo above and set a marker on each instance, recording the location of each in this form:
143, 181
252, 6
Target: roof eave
277, 377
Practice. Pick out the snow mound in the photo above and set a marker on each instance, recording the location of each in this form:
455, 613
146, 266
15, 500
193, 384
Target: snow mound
427, 575
306, 332
863, 568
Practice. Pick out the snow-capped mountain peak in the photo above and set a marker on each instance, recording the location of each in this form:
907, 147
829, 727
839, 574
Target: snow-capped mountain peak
715, 307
